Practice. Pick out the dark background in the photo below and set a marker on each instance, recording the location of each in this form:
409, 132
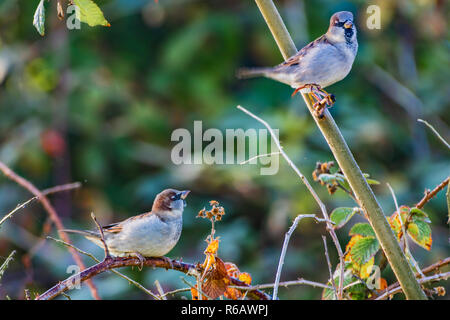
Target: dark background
98, 105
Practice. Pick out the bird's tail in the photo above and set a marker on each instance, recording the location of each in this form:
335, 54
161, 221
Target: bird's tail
86, 233
245, 73
90, 235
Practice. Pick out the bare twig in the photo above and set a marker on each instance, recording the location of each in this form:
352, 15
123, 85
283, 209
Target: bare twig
285, 284
20, 206
322, 207
435, 132
284, 249
64, 187
435, 267
350, 193
447, 195
61, 188
405, 237
6, 263
118, 262
197, 289
399, 215
329, 265
397, 289
162, 295
102, 236
175, 292
52, 214
260, 156
430, 194
137, 284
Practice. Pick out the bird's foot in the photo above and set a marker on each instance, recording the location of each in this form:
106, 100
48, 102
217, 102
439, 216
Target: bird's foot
310, 86
323, 96
297, 90
140, 258
320, 106
323, 99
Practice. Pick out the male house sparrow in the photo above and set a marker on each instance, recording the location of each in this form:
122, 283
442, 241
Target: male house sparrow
326, 60
151, 234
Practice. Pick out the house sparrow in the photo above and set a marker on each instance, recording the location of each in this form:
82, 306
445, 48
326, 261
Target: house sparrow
326, 60
151, 234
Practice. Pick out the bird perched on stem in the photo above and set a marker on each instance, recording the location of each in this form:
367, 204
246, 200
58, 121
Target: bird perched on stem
151, 234
325, 61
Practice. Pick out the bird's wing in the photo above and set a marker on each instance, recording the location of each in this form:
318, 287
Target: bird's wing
113, 227
118, 226
296, 58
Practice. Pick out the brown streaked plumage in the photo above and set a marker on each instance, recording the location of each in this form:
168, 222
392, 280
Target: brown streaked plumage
324, 61
151, 234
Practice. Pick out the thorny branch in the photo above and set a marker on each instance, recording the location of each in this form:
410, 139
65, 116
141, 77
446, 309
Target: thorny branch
284, 249
346, 161
52, 214
102, 236
118, 262
321, 205
430, 194
395, 287
435, 132
137, 284
285, 284
63, 187
329, 265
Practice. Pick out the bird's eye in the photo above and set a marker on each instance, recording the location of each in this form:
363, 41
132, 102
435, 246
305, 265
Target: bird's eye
175, 197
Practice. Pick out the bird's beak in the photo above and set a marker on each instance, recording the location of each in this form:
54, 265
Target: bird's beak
184, 194
348, 24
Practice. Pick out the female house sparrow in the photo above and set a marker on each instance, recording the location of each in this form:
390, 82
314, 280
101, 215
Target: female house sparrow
326, 60
151, 234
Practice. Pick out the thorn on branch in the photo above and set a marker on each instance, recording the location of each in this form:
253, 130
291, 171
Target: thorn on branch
102, 237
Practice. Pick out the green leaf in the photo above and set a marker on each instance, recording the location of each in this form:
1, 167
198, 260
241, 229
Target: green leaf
420, 232
328, 294
363, 229
340, 216
364, 249
39, 18
370, 181
358, 291
90, 13
419, 214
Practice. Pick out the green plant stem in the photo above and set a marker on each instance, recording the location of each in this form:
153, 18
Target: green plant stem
364, 195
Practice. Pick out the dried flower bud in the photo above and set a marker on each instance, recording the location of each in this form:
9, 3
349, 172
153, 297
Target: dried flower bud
201, 213
213, 203
440, 291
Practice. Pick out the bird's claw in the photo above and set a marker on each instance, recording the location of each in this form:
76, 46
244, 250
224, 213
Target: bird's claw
141, 260
323, 99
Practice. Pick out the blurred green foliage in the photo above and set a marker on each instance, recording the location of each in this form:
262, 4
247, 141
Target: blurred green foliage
98, 105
